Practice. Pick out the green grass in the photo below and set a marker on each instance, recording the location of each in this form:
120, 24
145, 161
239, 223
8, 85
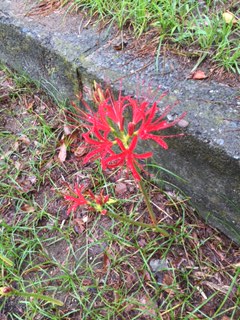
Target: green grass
194, 27
83, 283
102, 272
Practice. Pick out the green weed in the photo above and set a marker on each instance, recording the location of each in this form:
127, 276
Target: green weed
186, 24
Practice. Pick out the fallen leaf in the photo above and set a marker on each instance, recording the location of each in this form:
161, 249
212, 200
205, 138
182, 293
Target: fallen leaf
197, 75
106, 261
221, 288
23, 138
121, 188
148, 306
63, 152
142, 242
79, 225
80, 151
17, 165
27, 208
146, 276
26, 184
86, 282
236, 265
29, 105
120, 45
229, 17
67, 130
168, 279
15, 146
48, 164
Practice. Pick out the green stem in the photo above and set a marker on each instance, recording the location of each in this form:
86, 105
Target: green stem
147, 201
140, 224
6, 260
38, 296
9, 291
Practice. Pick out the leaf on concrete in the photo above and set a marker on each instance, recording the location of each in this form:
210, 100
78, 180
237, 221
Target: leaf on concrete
183, 123
198, 75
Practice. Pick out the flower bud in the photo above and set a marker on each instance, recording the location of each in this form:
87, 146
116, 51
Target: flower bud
131, 128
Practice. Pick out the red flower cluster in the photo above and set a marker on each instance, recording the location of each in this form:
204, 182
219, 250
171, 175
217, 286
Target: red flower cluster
114, 141
95, 202
77, 200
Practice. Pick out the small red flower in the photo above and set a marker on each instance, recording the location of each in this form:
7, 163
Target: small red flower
98, 201
77, 200
94, 202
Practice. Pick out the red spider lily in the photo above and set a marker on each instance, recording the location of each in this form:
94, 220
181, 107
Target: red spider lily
96, 202
77, 200
115, 143
128, 157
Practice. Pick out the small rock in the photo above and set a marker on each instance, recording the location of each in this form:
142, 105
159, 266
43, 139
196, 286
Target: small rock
158, 264
183, 123
220, 141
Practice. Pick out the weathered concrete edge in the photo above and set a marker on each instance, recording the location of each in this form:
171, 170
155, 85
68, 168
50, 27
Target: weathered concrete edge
190, 155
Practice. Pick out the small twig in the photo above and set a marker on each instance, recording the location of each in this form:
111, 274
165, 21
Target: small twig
134, 72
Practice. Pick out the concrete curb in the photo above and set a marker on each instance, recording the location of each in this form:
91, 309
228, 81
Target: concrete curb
56, 51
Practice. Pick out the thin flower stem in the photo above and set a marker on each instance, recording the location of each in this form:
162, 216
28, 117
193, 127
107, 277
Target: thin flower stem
140, 224
149, 206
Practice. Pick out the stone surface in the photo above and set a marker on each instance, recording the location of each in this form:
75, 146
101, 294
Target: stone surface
57, 51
